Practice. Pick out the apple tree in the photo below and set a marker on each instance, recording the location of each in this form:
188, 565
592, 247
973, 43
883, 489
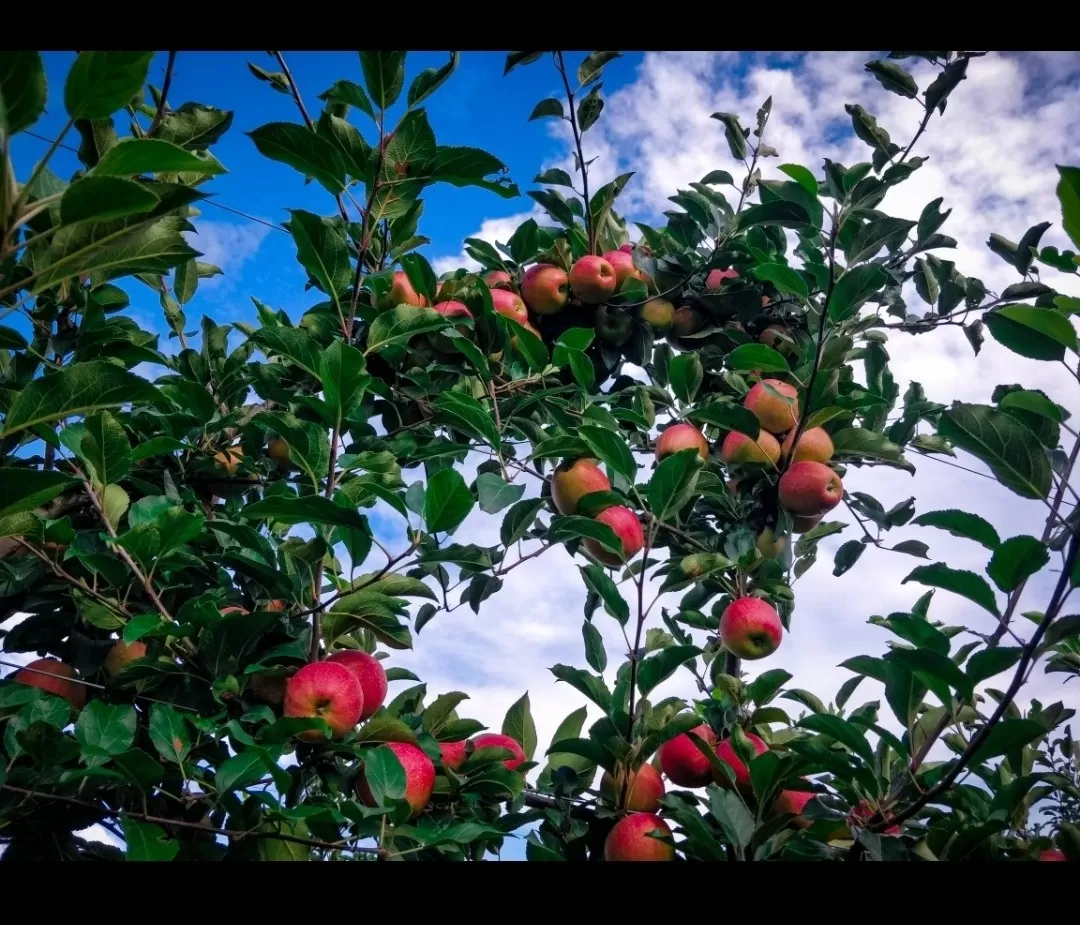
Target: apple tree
207, 621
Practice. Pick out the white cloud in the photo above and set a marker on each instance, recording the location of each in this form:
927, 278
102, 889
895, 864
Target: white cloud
492, 230
226, 245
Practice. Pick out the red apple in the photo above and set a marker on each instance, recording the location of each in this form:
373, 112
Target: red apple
571, 481
716, 278
750, 628
54, 677
497, 740
121, 654
401, 293
276, 606
862, 813
681, 437
545, 288
327, 690
810, 488
794, 802
509, 305
739, 448
630, 840
453, 754
627, 528
682, 761
626, 248
815, 445
592, 280
499, 279
775, 404
644, 792
622, 262
1051, 854
419, 776
687, 320
726, 753
369, 672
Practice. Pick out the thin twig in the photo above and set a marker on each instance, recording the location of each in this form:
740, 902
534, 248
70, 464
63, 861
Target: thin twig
590, 231
160, 114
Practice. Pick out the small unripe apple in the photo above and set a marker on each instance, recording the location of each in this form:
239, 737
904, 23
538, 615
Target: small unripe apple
750, 628
54, 677
278, 450
419, 776
613, 326
509, 305
775, 404
499, 279
453, 754
739, 448
571, 481
401, 293
687, 320
630, 839
716, 278
627, 528
592, 280
644, 790
815, 445
810, 488
770, 545
659, 313
497, 740
545, 288
682, 761
369, 672
681, 437
326, 690
121, 654
725, 751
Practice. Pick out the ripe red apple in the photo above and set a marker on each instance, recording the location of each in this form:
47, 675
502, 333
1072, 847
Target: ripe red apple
545, 288
630, 839
659, 313
810, 488
805, 524
499, 279
453, 309
613, 326
682, 761
369, 672
121, 654
686, 320
626, 248
644, 792
327, 690
716, 278
571, 481
815, 445
627, 528
1052, 854
509, 304
794, 802
497, 740
750, 628
725, 751
233, 609
775, 404
592, 280
622, 262
268, 687
419, 776
401, 293
54, 677
276, 606
453, 754
739, 448
681, 437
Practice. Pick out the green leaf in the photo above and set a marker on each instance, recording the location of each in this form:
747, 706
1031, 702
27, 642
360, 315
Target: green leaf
736, 138
963, 524
1004, 444
519, 519
104, 730
782, 212
735, 819
194, 126
1034, 402
800, 175
105, 449
344, 378
133, 156
846, 556
495, 494
1007, 736
447, 502
673, 483
589, 69
1035, 333
661, 665
465, 413
783, 278
867, 444
548, 108
384, 74
853, 289
100, 82
80, 389
384, 775
314, 509
894, 78
728, 416
756, 356
352, 94
429, 80
1016, 560
518, 724
589, 109
24, 490
169, 733
303, 150
611, 449
988, 663
146, 841
685, 375
401, 324
966, 584
600, 582
294, 344
874, 235
240, 771
595, 654
1068, 192
516, 58
104, 198
938, 672
322, 250
842, 731
22, 90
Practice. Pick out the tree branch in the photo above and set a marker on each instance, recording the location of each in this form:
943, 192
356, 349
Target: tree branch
590, 231
160, 114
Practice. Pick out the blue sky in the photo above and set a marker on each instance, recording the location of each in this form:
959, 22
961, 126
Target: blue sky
991, 157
